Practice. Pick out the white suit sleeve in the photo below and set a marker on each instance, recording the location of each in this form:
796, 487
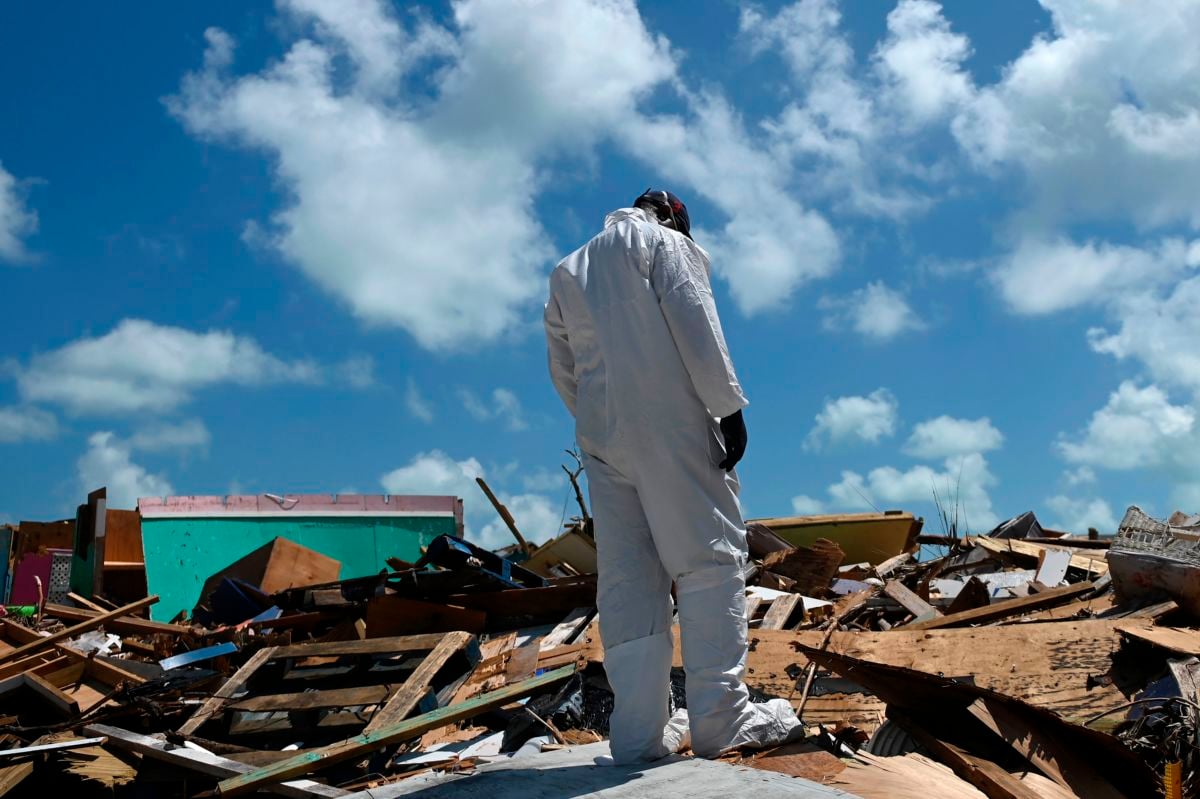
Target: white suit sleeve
562, 359
680, 279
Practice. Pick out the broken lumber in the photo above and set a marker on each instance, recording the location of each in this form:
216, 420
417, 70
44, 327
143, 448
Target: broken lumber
70, 632
1005, 609
203, 762
1094, 561
918, 607
369, 742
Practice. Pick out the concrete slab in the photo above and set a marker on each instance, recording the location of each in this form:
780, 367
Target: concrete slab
572, 774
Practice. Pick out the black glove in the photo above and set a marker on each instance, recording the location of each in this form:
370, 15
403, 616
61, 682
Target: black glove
733, 428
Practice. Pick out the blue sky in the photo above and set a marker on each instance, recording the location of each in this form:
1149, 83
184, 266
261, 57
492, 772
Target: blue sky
302, 246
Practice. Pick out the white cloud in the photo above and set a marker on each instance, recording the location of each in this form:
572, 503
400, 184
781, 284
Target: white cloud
435, 472
1077, 515
536, 515
140, 366
804, 505
107, 462
418, 406
1159, 331
414, 199
1095, 115
921, 59
16, 221
962, 486
946, 436
163, 437
1046, 276
26, 424
1138, 427
505, 405
874, 312
866, 419
771, 244
1083, 475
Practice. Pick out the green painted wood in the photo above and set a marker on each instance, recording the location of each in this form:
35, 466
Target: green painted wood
181, 553
396, 733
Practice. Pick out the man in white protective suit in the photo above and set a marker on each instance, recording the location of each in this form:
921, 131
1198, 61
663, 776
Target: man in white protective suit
638, 356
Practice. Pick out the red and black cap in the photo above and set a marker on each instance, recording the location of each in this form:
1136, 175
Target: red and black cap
668, 207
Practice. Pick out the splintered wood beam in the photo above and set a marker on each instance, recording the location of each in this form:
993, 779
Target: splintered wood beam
416, 687
133, 625
780, 611
918, 607
403, 731
1003, 610
204, 762
70, 632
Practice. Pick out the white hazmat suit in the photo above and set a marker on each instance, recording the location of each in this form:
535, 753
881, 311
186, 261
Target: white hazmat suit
639, 358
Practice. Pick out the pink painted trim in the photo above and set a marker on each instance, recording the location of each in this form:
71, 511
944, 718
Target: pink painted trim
301, 505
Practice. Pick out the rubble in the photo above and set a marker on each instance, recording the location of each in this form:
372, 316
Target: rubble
1023, 663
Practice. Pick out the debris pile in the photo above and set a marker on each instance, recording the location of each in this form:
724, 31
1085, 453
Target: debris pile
1013, 664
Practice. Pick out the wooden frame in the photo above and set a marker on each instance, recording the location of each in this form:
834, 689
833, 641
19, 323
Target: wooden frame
395, 701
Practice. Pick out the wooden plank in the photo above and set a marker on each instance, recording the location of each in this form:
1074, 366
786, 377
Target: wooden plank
918, 607
85, 602
1174, 639
370, 646
314, 700
1092, 561
54, 746
891, 564
417, 685
568, 629
1003, 610
985, 775
204, 762
107, 672
1058, 761
213, 705
780, 612
397, 733
61, 703
97, 620
113, 621
752, 603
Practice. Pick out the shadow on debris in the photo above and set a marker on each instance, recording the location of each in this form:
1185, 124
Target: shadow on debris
563, 782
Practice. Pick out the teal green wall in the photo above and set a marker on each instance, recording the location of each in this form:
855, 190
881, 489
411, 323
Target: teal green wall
182, 553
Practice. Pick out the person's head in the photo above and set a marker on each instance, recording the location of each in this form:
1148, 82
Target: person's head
668, 209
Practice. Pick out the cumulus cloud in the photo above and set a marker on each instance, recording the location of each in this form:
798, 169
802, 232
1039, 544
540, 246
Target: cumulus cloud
1077, 515
17, 222
865, 419
140, 366
1161, 332
27, 423
921, 61
108, 462
946, 436
804, 505
962, 487
1139, 426
875, 312
503, 404
413, 198
1047, 276
537, 518
1089, 114
418, 406
435, 472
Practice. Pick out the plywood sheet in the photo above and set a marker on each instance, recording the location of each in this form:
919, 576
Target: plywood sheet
1047, 665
